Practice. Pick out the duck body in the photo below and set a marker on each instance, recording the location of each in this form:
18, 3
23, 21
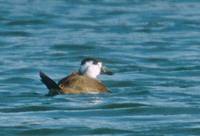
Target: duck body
73, 84
76, 83
84, 81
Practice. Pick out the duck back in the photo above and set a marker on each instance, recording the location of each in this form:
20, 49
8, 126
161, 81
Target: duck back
76, 83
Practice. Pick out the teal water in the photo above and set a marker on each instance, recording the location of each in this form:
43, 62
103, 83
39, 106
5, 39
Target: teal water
152, 46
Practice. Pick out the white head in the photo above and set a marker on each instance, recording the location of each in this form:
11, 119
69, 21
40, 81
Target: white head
92, 67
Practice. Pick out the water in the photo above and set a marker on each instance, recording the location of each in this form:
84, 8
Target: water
152, 46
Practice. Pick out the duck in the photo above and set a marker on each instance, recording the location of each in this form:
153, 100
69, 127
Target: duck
85, 80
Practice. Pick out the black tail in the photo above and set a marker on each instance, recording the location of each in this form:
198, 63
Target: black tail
54, 89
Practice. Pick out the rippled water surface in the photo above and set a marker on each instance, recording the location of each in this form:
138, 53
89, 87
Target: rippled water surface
153, 46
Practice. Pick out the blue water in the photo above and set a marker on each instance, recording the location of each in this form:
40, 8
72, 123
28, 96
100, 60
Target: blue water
152, 46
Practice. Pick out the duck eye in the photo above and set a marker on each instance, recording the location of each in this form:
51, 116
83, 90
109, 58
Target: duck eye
95, 62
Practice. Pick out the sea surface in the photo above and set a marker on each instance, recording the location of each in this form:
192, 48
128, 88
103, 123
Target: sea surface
153, 46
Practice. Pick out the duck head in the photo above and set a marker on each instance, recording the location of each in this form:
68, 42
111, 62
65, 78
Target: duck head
93, 67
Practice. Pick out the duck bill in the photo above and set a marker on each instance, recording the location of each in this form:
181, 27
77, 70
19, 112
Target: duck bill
106, 71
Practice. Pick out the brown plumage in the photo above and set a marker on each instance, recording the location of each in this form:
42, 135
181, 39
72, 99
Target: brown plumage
84, 81
73, 84
76, 83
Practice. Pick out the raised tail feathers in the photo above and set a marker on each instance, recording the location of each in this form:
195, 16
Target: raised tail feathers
53, 87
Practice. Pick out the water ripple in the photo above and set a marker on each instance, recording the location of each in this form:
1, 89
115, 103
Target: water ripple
152, 46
